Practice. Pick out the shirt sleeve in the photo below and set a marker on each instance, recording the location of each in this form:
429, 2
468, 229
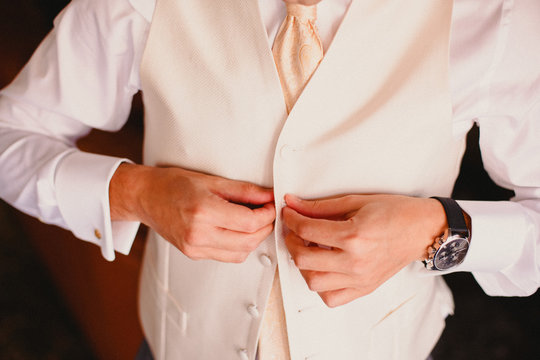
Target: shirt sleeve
504, 255
83, 76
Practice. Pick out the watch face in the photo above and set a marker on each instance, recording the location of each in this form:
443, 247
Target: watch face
451, 253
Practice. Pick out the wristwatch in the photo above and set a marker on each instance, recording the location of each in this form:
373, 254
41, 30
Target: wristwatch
449, 249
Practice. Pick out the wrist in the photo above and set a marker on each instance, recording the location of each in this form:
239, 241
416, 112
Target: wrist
449, 249
125, 189
433, 222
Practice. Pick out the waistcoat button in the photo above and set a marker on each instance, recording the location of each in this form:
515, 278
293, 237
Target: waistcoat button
253, 310
243, 354
265, 260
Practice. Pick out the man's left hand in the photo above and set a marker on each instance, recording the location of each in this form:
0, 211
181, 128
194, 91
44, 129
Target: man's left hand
366, 239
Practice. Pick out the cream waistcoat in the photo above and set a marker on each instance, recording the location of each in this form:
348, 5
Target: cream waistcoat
375, 118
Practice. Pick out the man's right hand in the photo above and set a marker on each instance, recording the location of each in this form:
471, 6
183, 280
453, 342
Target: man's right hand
204, 216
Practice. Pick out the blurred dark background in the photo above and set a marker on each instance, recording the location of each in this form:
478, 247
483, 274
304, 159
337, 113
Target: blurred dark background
60, 300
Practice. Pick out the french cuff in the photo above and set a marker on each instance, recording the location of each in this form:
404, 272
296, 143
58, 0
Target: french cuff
82, 191
499, 230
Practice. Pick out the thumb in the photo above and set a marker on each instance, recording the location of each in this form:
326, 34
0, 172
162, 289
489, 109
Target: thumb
330, 208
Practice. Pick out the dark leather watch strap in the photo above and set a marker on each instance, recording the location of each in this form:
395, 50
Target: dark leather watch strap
454, 214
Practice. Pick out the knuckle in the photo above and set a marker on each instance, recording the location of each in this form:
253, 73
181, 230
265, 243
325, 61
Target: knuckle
248, 247
350, 199
252, 245
311, 286
302, 230
191, 238
355, 246
313, 281
191, 252
354, 230
299, 260
357, 267
332, 304
330, 299
239, 258
251, 226
266, 231
198, 212
368, 290
362, 290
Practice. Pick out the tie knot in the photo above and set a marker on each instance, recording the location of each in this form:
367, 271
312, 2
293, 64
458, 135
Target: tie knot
302, 12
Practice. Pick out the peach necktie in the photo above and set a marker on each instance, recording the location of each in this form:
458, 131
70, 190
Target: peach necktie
297, 52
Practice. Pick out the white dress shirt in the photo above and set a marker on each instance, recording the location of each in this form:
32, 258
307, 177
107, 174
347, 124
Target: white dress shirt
86, 71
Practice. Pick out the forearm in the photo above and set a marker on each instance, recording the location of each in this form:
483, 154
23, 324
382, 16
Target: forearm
28, 164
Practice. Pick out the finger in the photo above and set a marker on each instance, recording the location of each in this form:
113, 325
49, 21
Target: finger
335, 207
341, 297
225, 245
238, 241
326, 281
244, 192
321, 231
239, 218
313, 257
224, 239
215, 254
